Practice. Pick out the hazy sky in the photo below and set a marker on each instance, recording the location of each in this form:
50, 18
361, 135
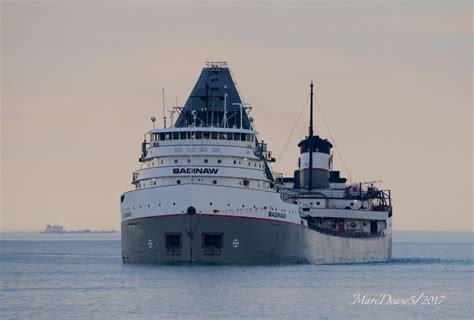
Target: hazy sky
79, 82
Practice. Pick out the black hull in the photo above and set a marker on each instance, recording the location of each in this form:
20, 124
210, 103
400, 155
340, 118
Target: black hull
212, 239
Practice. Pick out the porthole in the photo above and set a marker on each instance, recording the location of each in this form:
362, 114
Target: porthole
235, 162
148, 206
206, 161
255, 165
178, 181
189, 160
140, 206
352, 204
159, 204
214, 181
249, 164
210, 203
219, 161
318, 203
175, 160
174, 203
154, 183
243, 206
228, 204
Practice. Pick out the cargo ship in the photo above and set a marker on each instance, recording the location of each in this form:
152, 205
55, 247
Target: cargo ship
58, 229
206, 194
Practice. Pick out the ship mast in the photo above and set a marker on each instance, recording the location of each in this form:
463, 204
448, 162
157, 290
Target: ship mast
164, 112
310, 140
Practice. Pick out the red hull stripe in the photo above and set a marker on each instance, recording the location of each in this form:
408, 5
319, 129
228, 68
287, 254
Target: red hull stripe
210, 215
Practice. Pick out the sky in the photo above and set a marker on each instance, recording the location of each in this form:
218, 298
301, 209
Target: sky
80, 81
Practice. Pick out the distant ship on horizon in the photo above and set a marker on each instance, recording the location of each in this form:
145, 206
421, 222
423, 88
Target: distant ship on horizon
57, 229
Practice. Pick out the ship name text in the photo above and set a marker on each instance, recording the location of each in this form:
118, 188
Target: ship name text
195, 170
277, 215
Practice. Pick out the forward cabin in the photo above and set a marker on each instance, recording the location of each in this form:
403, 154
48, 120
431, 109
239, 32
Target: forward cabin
218, 156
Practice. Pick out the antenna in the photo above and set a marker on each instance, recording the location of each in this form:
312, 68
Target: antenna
224, 118
164, 113
310, 140
171, 112
206, 106
242, 106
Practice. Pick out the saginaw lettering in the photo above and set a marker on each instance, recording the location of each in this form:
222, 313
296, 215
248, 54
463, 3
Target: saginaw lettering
195, 170
277, 215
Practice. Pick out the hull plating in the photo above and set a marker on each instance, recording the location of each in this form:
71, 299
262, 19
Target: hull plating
214, 239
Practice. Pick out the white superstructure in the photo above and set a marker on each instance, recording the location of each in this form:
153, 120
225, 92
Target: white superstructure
196, 163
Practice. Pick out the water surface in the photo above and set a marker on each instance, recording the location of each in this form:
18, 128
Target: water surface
58, 278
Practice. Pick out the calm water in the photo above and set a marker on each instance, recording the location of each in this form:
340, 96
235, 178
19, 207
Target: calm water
44, 279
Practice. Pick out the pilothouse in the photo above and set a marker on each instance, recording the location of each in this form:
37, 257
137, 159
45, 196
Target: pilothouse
205, 193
